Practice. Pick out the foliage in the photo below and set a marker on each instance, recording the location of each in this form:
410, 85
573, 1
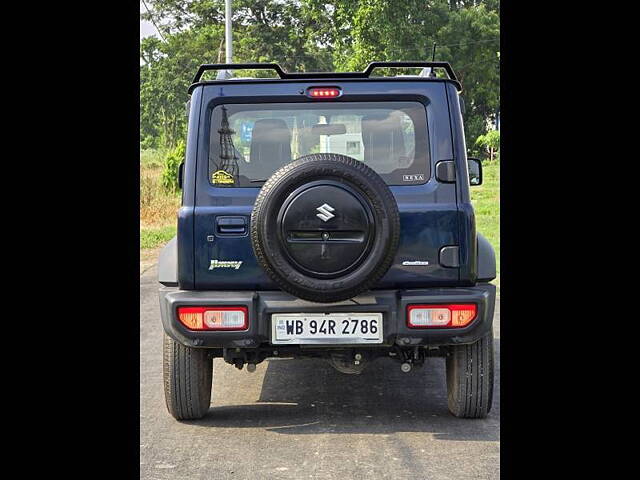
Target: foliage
466, 34
312, 35
164, 78
157, 207
151, 158
477, 64
486, 205
171, 165
491, 141
156, 237
263, 31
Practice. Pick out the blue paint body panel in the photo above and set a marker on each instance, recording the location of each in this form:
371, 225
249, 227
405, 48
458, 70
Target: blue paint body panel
432, 215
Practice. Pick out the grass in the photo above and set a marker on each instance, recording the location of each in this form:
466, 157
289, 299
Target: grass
158, 209
486, 203
156, 237
151, 158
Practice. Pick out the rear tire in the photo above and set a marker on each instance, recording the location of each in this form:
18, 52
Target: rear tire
188, 375
470, 378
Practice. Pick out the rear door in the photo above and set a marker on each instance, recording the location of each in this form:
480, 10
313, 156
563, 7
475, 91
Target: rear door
226, 188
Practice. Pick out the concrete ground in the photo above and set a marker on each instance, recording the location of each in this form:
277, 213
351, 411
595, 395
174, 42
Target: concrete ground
296, 419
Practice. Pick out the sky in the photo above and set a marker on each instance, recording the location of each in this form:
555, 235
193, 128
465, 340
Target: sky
146, 28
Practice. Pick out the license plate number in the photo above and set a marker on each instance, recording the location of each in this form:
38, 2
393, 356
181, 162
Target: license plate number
327, 329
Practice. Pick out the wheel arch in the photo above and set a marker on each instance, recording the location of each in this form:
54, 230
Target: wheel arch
168, 264
486, 260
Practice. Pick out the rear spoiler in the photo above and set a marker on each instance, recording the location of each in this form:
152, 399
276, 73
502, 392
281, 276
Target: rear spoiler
329, 75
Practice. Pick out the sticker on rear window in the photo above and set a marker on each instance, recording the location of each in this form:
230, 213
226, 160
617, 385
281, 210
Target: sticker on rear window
220, 177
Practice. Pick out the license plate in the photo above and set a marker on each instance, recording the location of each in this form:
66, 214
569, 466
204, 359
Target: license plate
326, 329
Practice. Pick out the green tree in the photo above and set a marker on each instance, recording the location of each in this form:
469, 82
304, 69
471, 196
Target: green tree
164, 78
470, 43
263, 30
171, 164
312, 35
491, 142
466, 35
193, 33
386, 30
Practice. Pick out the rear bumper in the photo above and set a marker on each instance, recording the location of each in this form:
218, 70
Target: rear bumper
391, 303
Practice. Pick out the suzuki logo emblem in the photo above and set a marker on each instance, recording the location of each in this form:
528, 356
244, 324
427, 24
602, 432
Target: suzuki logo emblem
325, 212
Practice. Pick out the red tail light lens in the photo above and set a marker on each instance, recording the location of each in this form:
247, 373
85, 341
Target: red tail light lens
441, 316
214, 318
324, 92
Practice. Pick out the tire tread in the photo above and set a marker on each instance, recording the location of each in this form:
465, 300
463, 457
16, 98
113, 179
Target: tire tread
320, 295
188, 377
470, 372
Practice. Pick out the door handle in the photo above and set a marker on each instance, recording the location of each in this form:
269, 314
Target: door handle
236, 226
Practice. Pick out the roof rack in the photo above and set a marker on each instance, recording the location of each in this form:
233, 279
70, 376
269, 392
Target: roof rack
298, 75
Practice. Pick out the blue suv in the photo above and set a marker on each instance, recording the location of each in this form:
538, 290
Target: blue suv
327, 215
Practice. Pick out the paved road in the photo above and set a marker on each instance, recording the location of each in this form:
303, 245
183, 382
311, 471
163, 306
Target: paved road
302, 419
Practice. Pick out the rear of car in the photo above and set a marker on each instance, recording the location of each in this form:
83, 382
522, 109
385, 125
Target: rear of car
331, 218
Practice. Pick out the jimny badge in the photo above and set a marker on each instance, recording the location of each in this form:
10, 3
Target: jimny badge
235, 264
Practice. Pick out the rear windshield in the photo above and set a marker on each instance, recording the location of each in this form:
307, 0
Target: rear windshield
248, 143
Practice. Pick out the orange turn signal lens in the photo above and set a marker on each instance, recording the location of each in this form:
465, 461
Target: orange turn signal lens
191, 317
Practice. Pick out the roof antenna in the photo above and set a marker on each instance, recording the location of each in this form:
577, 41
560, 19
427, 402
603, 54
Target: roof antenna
428, 71
225, 74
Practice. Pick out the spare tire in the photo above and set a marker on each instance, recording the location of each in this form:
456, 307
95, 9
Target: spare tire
325, 227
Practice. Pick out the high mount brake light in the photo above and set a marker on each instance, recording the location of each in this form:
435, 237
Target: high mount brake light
324, 92
214, 318
441, 316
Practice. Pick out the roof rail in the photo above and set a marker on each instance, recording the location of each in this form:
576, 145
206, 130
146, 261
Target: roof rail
301, 75
238, 66
445, 65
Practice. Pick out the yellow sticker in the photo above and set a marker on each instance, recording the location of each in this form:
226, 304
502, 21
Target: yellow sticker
220, 177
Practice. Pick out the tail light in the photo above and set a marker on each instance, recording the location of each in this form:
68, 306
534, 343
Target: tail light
324, 92
441, 316
214, 318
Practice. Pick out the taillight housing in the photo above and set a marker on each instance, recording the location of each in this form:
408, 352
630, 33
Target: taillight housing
324, 92
455, 315
214, 318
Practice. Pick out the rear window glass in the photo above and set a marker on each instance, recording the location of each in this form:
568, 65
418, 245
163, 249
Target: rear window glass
248, 143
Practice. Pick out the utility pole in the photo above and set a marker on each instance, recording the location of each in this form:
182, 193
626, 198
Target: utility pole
227, 31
